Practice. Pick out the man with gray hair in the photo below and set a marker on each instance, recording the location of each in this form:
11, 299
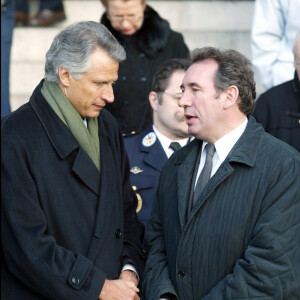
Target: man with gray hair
225, 221
69, 227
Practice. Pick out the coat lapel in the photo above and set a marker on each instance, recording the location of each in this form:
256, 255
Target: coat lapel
184, 179
223, 172
64, 142
107, 192
243, 152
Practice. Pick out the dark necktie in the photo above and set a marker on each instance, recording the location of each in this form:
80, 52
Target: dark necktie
174, 146
205, 173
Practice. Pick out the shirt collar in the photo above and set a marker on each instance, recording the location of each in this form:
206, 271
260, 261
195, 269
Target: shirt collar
224, 145
165, 141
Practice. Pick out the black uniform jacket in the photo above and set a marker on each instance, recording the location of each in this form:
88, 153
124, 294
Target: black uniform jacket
278, 110
151, 45
65, 226
146, 163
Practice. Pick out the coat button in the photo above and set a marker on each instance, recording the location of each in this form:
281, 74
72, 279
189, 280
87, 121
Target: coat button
124, 78
118, 233
180, 274
143, 79
142, 55
75, 280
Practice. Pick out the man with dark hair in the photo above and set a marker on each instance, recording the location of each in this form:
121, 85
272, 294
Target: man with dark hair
225, 221
149, 150
278, 109
69, 227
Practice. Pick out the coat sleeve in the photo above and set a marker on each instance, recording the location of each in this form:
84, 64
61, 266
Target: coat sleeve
157, 280
30, 254
270, 266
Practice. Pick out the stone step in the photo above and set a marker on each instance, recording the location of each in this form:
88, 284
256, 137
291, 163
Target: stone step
224, 24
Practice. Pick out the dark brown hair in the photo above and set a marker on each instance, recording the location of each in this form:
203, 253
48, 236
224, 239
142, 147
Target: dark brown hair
162, 76
234, 69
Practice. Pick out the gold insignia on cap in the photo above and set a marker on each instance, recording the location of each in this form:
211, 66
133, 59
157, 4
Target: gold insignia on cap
136, 170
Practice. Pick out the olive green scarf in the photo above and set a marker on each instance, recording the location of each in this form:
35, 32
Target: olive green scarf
87, 137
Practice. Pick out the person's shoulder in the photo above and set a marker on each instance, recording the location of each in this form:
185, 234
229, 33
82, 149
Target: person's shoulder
146, 138
109, 121
131, 139
17, 119
275, 150
275, 93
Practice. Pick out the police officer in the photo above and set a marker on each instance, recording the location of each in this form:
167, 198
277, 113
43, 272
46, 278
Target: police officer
149, 150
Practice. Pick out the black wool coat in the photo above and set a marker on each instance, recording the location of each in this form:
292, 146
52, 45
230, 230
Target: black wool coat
278, 110
151, 45
65, 226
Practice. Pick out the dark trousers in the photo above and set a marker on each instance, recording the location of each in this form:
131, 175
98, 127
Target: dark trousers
23, 5
7, 25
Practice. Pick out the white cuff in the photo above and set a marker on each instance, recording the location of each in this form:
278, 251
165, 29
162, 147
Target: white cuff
131, 268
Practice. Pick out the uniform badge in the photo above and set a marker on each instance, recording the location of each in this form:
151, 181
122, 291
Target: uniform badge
136, 170
149, 139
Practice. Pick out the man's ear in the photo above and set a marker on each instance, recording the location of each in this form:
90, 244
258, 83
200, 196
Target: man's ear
64, 76
232, 96
153, 99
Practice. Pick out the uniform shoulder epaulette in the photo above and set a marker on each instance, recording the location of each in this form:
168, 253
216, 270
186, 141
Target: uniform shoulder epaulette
132, 133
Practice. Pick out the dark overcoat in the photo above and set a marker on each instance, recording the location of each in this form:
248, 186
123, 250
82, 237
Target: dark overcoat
65, 226
146, 163
278, 110
151, 45
242, 240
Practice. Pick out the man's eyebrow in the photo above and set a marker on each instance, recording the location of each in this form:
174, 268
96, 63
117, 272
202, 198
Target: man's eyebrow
194, 84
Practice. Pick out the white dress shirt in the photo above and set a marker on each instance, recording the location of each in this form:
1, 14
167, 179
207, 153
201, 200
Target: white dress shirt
222, 146
165, 142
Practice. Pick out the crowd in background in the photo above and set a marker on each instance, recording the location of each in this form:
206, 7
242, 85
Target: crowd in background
157, 95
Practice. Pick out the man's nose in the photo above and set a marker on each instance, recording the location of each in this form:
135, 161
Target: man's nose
108, 94
184, 100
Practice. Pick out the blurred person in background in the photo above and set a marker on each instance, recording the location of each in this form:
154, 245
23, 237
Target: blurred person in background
148, 41
7, 26
274, 28
149, 150
278, 109
49, 13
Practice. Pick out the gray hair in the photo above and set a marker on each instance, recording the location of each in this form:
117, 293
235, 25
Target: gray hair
73, 47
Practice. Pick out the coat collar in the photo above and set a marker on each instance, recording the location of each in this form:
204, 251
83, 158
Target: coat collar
150, 38
155, 155
244, 151
64, 142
